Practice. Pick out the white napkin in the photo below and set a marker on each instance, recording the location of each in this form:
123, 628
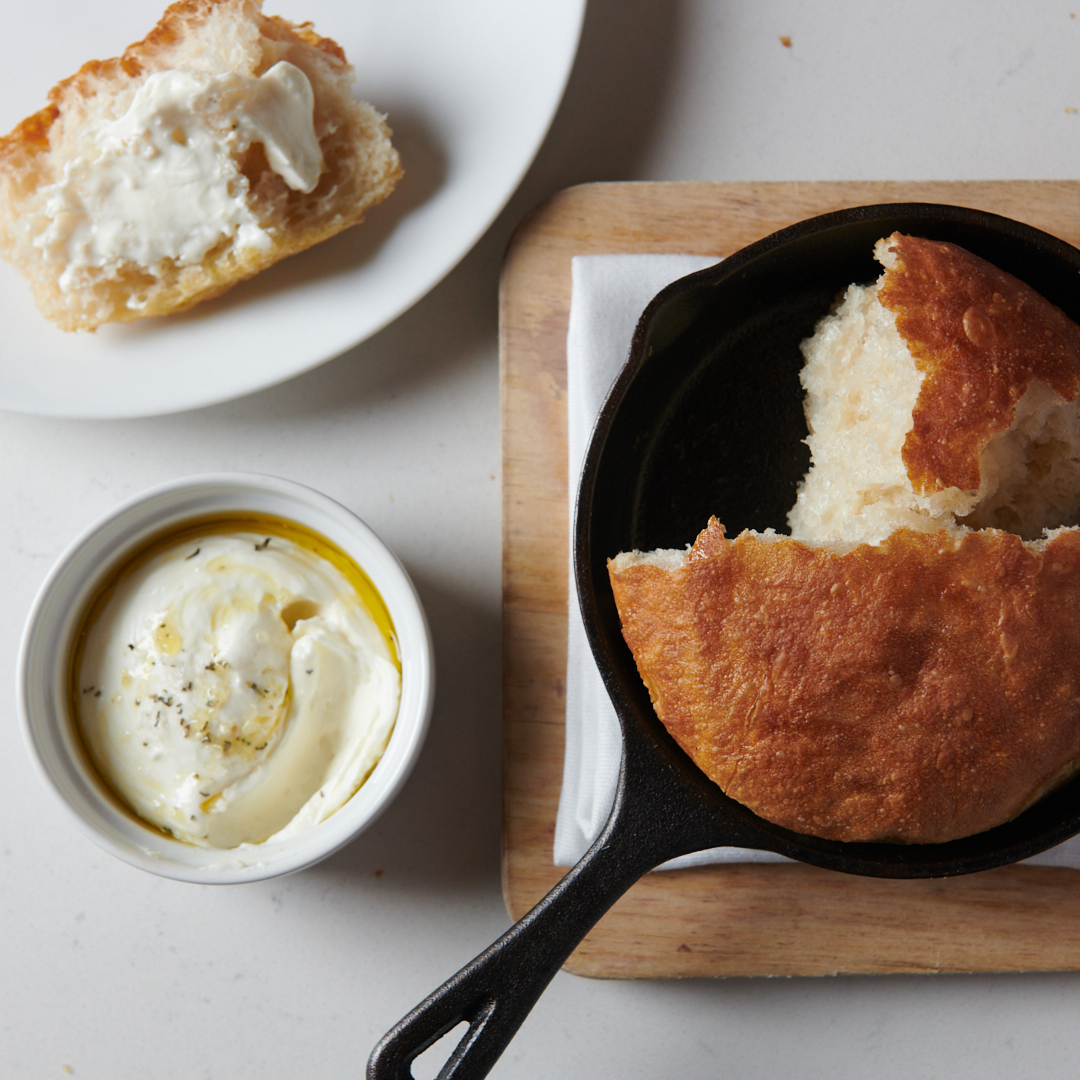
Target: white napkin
608, 294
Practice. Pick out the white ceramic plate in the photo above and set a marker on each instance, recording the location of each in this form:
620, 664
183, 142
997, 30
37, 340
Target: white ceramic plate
470, 87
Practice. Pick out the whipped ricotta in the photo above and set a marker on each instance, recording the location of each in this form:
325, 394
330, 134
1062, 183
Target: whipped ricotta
235, 688
163, 182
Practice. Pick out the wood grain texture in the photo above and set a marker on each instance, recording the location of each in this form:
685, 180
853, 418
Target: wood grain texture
750, 919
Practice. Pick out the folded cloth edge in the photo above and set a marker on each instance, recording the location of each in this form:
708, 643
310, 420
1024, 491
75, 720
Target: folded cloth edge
608, 295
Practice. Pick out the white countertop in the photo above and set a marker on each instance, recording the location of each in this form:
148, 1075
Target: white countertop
110, 973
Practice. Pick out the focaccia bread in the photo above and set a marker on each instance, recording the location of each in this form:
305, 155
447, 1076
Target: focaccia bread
944, 393
219, 144
895, 670
919, 690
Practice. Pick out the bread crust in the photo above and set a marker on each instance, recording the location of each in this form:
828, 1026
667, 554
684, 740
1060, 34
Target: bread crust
980, 336
917, 691
213, 36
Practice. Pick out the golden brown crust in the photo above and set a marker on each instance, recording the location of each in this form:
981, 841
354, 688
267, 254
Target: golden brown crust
980, 336
918, 691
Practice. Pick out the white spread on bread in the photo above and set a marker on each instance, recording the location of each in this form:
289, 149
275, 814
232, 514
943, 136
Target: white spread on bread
235, 688
163, 182
137, 165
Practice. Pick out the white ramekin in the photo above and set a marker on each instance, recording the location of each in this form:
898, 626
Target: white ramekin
53, 622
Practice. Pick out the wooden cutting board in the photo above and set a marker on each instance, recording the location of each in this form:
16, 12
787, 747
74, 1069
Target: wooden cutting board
748, 919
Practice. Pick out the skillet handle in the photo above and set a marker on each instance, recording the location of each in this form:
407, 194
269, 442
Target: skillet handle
495, 992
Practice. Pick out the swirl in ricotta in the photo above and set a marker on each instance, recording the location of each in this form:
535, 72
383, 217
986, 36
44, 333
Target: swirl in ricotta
235, 687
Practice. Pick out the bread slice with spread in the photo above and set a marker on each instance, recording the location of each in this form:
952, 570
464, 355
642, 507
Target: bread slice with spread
221, 143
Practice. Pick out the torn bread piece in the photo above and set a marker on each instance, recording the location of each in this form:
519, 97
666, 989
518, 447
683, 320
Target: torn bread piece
943, 395
906, 666
221, 143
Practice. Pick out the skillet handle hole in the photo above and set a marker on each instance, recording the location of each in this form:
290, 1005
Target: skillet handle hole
429, 1065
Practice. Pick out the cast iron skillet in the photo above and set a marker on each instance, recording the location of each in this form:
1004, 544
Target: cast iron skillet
706, 418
